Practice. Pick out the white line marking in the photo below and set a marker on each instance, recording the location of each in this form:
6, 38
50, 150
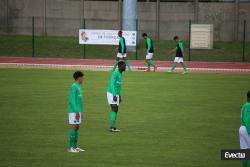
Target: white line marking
109, 67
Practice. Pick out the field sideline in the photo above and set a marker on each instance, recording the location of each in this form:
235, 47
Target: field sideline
166, 120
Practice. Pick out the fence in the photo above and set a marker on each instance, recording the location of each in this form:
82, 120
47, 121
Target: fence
61, 40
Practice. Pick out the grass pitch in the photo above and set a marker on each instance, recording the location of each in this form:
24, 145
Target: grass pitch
166, 120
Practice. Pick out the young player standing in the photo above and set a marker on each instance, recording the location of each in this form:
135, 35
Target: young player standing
75, 111
121, 52
179, 55
114, 94
244, 130
150, 52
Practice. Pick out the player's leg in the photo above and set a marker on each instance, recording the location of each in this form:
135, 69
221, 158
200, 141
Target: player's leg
126, 61
152, 64
76, 140
116, 63
113, 116
77, 130
73, 132
149, 59
174, 65
113, 113
244, 143
128, 65
148, 64
183, 66
72, 138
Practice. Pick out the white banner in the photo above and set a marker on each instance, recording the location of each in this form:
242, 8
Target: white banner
201, 36
105, 37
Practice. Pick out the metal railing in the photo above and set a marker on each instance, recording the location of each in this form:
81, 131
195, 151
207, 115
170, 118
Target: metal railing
61, 40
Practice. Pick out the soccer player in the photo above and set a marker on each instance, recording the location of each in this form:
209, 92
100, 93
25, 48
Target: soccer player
179, 55
244, 130
75, 109
114, 94
150, 52
121, 52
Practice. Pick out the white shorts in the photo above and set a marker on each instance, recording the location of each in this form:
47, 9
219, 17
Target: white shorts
178, 59
149, 56
244, 138
110, 99
72, 119
120, 55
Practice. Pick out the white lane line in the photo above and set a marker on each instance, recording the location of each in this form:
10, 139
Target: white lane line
34, 65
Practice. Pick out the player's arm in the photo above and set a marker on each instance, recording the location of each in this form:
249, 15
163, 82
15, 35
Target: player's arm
73, 96
247, 124
77, 116
172, 51
182, 48
113, 91
241, 115
245, 121
148, 45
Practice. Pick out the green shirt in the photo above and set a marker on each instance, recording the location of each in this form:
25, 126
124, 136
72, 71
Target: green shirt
122, 45
75, 98
179, 49
149, 45
245, 116
115, 83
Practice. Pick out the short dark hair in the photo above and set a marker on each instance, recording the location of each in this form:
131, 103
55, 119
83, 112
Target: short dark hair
248, 94
121, 63
77, 75
120, 32
144, 34
176, 37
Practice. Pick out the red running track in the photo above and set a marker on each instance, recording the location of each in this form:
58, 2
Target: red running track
193, 66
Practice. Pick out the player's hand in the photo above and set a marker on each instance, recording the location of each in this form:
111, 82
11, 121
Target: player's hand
77, 116
115, 98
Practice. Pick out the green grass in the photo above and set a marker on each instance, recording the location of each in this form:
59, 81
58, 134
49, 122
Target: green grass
166, 120
68, 47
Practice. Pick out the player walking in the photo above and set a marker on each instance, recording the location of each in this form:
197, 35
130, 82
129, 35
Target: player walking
244, 130
75, 111
179, 55
121, 52
150, 52
114, 94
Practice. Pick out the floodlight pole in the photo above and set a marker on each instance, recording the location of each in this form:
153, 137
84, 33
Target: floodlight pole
129, 18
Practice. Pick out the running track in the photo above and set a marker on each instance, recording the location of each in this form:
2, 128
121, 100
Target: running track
101, 65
